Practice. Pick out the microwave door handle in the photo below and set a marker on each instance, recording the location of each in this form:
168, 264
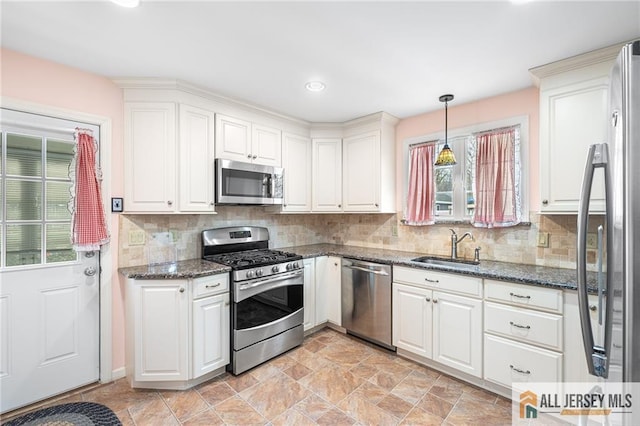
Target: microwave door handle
596, 355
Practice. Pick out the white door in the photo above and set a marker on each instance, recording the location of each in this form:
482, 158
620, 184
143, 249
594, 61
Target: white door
49, 295
361, 172
412, 312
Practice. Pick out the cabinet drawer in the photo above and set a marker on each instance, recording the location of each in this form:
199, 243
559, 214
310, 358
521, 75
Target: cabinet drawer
524, 324
457, 283
524, 295
206, 286
507, 361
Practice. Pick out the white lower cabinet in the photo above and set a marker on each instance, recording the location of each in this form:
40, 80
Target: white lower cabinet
160, 326
211, 327
177, 330
328, 290
508, 361
575, 360
412, 313
524, 333
437, 324
309, 302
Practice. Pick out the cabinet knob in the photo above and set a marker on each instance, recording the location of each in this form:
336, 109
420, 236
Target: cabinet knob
593, 307
254, 157
545, 202
336, 263
435, 300
211, 203
339, 206
249, 156
181, 290
428, 299
169, 203
377, 205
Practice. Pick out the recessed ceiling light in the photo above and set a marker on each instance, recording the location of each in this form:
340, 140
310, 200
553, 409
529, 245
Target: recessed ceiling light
315, 86
127, 3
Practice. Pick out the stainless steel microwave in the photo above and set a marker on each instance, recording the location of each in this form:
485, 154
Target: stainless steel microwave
246, 183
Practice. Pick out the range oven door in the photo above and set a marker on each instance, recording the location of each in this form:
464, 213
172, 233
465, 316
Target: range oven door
266, 307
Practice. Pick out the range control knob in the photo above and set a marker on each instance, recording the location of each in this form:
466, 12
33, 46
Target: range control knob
259, 273
275, 269
296, 265
289, 266
250, 274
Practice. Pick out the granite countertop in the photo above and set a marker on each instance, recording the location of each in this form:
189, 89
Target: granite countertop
513, 272
193, 268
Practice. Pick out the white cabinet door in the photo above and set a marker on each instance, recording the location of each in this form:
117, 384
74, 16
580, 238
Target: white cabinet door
309, 294
196, 159
361, 172
575, 364
333, 286
457, 332
211, 334
296, 160
412, 324
572, 117
266, 145
233, 138
150, 157
161, 327
327, 175
322, 293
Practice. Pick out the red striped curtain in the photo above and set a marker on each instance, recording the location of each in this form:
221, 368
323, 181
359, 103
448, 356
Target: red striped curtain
421, 195
89, 227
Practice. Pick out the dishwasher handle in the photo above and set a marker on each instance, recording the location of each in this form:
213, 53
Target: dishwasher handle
372, 271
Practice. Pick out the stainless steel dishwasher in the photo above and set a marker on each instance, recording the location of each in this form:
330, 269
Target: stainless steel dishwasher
366, 301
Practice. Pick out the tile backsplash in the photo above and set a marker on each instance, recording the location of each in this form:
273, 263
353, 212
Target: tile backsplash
517, 244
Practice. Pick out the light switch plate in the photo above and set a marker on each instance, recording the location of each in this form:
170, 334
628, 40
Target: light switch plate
592, 241
543, 239
117, 205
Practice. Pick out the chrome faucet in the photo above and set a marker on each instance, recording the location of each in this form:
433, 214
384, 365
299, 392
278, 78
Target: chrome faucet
455, 241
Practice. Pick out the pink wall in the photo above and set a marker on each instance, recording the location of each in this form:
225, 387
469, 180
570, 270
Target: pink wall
523, 102
29, 79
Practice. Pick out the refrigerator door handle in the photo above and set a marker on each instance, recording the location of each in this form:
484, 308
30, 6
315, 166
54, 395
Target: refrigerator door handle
597, 356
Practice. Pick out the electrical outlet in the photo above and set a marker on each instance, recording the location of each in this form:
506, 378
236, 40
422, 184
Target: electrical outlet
136, 238
543, 239
592, 241
394, 230
174, 235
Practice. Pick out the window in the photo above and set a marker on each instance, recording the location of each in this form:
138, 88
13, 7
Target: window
455, 186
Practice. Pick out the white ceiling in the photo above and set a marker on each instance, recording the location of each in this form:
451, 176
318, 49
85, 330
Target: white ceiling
373, 56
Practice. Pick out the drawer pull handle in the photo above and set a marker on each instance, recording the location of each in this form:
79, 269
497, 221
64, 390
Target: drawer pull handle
212, 286
517, 370
526, 327
519, 296
431, 281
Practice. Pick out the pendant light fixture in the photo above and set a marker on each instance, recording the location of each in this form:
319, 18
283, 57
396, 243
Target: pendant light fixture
446, 157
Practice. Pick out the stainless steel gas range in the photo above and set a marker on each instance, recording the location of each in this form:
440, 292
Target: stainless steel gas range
266, 290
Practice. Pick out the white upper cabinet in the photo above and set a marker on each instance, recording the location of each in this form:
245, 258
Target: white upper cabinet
574, 96
150, 157
242, 140
296, 160
327, 175
369, 164
361, 172
168, 168
196, 159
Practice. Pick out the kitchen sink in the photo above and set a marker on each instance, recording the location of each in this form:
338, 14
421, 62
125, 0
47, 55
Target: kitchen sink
446, 261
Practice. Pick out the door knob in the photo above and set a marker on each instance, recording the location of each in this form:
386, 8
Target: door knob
90, 271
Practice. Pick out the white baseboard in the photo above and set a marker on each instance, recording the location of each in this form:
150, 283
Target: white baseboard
118, 373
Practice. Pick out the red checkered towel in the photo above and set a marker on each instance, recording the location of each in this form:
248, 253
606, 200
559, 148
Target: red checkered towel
89, 227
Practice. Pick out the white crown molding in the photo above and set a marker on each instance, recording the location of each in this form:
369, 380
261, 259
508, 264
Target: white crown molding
607, 54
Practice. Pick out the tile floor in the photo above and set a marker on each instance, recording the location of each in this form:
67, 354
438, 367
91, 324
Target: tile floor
332, 379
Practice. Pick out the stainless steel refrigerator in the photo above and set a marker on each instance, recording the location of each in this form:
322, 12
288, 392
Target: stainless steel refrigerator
616, 358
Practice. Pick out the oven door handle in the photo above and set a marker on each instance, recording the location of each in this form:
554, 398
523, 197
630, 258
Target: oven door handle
272, 280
